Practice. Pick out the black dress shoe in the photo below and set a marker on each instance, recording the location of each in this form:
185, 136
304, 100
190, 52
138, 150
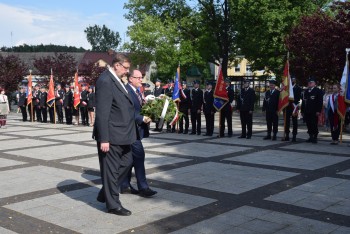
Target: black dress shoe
268, 137
230, 135
129, 190
249, 137
120, 211
198, 133
192, 133
220, 136
186, 132
147, 192
241, 136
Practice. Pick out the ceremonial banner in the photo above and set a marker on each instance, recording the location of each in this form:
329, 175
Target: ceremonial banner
177, 86
286, 93
29, 90
76, 91
51, 93
344, 94
220, 92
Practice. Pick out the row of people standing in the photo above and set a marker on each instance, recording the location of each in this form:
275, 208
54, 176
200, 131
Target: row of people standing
63, 102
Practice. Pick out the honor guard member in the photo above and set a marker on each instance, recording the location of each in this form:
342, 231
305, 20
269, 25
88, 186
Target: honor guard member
59, 103
169, 92
43, 104
311, 109
68, 105
226, 111
36, 101
83, 105
270, 107
146, 88
245, 108
209, 109
29, 106
293, 111
185, 108
158, 90
91, 105
196, 108
22, 103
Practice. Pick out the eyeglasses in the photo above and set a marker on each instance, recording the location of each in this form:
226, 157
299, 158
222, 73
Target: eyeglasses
126, 68
140, 78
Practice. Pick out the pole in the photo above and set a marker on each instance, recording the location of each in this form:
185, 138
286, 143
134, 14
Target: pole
177, 122
285, 122
341, 131
54, 110
31, 111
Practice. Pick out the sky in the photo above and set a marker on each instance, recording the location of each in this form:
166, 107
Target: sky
59, 22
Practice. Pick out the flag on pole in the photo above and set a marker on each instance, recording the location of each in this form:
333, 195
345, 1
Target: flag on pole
286, 93
76, 91
177, 86
29, 90
51, 93
220, 93
344, 94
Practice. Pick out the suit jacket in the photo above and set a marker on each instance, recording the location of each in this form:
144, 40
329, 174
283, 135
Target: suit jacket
208, 105
84, 98
68, 99
115, 112
271, 101
22, 100
91, 100
158, 91
185, 103
43, 99
197, 99
59, 99
36, 97
246, 100
142, 127
312, 101
297, 96
231, 97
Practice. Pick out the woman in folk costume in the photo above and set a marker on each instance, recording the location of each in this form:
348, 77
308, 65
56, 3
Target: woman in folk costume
333, 116
4, 108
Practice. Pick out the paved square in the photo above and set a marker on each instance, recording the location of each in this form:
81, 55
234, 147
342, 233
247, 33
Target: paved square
23, 143
150, 142
322, 147
257, 141
221, 177
75, 137
289, 159
8, 163
199, 149
41, 132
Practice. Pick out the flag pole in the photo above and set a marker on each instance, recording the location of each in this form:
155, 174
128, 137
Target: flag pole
31, 104
342, 121
54, 102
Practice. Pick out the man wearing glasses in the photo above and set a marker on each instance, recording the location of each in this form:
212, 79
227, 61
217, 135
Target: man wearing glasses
114, 131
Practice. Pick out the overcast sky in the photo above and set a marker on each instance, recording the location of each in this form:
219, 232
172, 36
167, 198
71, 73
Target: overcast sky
60, 22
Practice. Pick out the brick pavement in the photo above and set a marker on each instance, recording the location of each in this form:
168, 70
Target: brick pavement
49, 180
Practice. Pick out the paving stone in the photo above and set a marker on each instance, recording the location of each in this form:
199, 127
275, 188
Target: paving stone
262, 226
3, 137
345, 172
43, 132
77, 137
8, 162
22, 143
150, 141
322, 147
208, 226
255, 141
12, 129
6, 231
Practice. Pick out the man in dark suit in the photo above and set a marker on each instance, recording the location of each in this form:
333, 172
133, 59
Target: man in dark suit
59, 93
22, 103
43, 104
114, 131
311, 109
209, 109
184, 108
270, 106
83, 105
226, 111
245, 108
138, 152
36, 101
68, 105
196, 108
292, 110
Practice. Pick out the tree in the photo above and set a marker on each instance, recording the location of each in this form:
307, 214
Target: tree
317, 44
102, 39
63, 66
262, 26
12, 71
42, 48
91, 72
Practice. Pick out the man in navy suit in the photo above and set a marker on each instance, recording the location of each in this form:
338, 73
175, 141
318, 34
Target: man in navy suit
114, 131
270, 106
138, 152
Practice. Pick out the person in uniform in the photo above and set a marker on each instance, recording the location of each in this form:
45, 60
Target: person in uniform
68, 105
36, 101
270, 107
59, 102
29, 105
43, 104
22, 103
83, 105
76, 108
333, 116
311, 108
292, 110
169, 92
91, 105
209, 109
196, 108
226, 111
245, 108
158, 90
146, 89
184, 108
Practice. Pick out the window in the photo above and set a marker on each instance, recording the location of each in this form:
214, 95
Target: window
238, 68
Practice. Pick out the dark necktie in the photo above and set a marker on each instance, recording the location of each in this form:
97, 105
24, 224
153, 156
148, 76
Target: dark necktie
139, 96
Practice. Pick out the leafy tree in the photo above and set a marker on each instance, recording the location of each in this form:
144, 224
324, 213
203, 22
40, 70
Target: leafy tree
317, 44
102, 38
91, 71
63, 66
42, 48
12, 71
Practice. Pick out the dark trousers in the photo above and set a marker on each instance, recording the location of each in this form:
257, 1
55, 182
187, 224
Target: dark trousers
294, 121
226, 114
196, 122
30, 112
114, 167
24, 113
38, 113
59, 111
246, 123
335, 130
181, 121
84, 115
44, 114
209, 123
138, 156
52, 114
69, 115
272, 122
311, 120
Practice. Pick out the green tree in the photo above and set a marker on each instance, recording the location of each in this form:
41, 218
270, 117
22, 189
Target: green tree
102, 38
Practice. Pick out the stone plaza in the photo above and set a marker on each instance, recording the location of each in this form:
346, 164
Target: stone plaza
49, 180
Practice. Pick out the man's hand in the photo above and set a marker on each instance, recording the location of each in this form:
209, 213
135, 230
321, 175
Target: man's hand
105, 147
198, 111
147, 119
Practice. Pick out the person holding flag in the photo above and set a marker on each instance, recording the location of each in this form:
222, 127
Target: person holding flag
270, 107
333, 115
196, 108
51, 100
184, 108
43, 104
76, 97
30, 98
208, 109
226, 111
